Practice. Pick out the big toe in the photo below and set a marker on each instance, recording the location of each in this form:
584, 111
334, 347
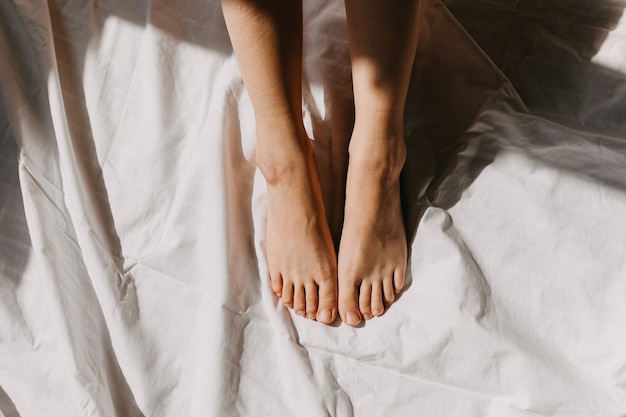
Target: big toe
349, 305
327, 307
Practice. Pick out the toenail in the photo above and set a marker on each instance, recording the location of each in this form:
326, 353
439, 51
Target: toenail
367, 316
352, 317
300, 312
377, 312
325, 316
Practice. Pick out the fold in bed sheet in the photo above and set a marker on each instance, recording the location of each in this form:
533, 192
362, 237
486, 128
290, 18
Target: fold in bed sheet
132, 273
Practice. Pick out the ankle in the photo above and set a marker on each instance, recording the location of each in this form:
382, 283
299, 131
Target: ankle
379, 155
278, 172
384, 167
283, 149
380, 116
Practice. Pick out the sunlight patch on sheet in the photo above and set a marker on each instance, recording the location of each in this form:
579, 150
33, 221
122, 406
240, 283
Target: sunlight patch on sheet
611, 54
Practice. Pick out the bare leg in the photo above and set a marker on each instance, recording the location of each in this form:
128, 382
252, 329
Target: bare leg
267, 38
373, 248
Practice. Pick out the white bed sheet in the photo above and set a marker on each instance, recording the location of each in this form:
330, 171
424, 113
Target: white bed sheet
132, 275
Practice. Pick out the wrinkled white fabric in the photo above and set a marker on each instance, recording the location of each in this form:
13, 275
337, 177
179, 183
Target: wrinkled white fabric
132, 273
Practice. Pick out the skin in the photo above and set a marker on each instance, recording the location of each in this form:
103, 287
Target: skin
303, 265
373, 248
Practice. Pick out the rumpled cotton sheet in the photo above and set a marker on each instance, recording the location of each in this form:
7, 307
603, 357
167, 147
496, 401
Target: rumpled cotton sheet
133, 280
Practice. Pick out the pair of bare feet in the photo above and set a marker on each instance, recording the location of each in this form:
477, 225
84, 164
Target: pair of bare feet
364, 277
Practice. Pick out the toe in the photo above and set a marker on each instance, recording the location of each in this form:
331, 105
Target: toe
287, 294
377, 299
348, 303
365, 300
311, 299
398, 279
276, 282
327, 301
388, 290
299, 301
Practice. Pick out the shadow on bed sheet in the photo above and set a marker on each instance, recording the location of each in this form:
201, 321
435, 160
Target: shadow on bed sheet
452, 83
192, 21
15, 244
546, 49
7, 407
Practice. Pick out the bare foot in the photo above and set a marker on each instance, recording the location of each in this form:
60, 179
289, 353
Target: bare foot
373, 248
300, 252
